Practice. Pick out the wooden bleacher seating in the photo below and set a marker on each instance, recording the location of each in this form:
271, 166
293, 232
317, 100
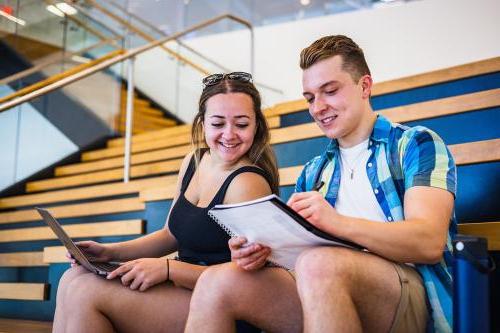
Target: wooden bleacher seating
83, 230
23, 291
153, 158
417, 111
24, 326
76, 210
415, 81
82, 193
22, 259
150, 145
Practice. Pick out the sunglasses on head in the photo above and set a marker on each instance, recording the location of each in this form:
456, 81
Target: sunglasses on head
216, 78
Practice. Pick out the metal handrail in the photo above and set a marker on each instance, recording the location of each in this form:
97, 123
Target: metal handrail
163, 34
147, 37
127, 55
130, 56
187, 47
62, 57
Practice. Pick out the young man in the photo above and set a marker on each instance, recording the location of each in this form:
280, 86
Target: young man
388, 187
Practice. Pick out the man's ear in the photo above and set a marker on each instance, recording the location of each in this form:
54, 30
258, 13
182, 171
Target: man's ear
366, 84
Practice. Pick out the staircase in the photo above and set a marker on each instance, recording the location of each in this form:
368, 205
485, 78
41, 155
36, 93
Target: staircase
90, 201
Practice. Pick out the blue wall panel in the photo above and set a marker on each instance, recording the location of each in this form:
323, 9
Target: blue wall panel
299, 152
296, 118
441, 90
478, 195
465, 127
156, 214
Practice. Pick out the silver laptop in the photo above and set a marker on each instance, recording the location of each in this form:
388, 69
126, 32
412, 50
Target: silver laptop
99, 268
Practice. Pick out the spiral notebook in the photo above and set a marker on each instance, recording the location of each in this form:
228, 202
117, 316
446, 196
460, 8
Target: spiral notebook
270, 222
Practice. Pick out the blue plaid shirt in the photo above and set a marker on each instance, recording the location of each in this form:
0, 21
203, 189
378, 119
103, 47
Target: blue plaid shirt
401, 157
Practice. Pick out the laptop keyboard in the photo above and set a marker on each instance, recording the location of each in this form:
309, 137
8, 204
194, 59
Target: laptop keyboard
105, 266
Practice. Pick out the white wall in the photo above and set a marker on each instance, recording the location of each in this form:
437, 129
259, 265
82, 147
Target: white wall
41, 144
416, 37
398, 40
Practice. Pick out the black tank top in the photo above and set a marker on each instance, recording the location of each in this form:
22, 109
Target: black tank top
200, 240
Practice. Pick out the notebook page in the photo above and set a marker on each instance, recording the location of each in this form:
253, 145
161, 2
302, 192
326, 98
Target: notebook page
268, 225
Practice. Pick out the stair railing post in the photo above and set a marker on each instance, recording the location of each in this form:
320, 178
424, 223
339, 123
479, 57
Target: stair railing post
129, 119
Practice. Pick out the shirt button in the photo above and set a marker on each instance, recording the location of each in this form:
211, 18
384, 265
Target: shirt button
370, 164
376, 191
389, 218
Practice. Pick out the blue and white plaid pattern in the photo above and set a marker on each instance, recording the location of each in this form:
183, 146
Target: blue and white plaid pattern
401, 157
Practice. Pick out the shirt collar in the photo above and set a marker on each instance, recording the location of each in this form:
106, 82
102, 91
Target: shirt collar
380, 133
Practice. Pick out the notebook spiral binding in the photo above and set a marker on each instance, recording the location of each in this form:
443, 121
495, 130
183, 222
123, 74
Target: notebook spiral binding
231, 233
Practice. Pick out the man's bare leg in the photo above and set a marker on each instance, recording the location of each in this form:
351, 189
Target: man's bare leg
343, 290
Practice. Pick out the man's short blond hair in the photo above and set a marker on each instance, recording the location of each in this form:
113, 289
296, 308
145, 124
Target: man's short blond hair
353, 58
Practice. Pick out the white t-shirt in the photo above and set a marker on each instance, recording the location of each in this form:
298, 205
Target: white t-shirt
356, 197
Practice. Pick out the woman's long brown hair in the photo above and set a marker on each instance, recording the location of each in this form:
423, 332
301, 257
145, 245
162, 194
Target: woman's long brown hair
260, 153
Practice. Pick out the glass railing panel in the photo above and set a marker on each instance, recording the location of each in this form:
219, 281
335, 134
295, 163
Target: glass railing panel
45, 29
29, 143
126, 11
155, 76
36, 134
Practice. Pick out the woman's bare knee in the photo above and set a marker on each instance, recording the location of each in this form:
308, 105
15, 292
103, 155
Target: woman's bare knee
215, 285
66, 279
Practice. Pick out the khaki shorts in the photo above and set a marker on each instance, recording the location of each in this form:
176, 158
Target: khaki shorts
412, 313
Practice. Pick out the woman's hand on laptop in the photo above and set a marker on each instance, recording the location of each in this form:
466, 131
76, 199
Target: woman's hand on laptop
248, 256
99, 252
141, 274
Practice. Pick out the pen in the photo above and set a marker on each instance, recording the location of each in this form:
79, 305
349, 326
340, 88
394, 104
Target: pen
318, 186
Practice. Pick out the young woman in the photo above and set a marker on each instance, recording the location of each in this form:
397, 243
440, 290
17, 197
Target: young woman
232, 162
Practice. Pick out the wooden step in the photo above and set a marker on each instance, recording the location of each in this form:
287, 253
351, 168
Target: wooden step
54, 254
288, 176
22, 259
466, 153
136, 148
149, 169
24, 326
88, 192
147, 110
139, 127
439, 76
417, 111
157, 141
476, 152
57, 255
148, 120
489, 230
156, 135
77, 210
97, 229
111, 163
24, 291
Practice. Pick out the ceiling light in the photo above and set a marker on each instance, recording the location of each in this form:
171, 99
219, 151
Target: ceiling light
66, 9
12, 18
305, 2
60, 9
54, 10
